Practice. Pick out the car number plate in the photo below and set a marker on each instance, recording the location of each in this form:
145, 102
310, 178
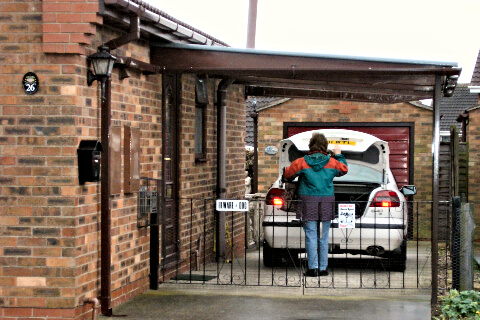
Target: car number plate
342, 142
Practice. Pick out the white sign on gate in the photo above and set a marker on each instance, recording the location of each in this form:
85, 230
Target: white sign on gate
232, 205
346, 215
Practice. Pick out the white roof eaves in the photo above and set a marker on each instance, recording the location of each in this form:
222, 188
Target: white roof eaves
472, 108
273, 104
474, 89
165, 23
421, 105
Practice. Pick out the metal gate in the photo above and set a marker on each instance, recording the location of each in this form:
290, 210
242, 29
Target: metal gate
243, 263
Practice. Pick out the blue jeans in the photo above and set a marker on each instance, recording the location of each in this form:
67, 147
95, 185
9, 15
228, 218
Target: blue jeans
317, 247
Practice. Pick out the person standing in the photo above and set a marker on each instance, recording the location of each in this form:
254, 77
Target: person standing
315, 173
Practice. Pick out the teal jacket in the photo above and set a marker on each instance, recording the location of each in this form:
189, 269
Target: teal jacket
316, 172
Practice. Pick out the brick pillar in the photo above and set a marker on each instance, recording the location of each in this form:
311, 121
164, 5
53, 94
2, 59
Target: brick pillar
68, 25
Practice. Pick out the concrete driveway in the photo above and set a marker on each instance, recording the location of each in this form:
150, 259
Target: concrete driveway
234, 302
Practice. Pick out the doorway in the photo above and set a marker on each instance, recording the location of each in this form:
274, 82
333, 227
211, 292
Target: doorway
169, 215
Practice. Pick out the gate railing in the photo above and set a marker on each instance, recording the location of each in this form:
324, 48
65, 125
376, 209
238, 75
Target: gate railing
246, 250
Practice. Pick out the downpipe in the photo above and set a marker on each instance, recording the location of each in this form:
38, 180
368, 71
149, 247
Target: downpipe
105, 209
221, 163
133, 35
95, 306
123, 63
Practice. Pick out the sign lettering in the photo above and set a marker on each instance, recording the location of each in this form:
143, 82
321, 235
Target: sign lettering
346, 215
231, 205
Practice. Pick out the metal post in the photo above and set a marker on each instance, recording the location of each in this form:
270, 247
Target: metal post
254, 115
105, 228
252, 24
455, 247
436, 189
155, 239
221, 163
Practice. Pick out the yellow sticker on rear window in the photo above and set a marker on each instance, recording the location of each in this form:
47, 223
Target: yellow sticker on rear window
342, 142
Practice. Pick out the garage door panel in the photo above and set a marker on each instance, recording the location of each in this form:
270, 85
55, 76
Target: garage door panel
388, 133
400, 174
398, 147
398, 162
392, 136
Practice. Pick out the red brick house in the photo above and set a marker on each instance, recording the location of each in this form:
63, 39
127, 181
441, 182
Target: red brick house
50, 237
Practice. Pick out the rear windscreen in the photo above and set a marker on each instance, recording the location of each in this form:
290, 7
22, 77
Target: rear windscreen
371, 155
294, 153
360, 174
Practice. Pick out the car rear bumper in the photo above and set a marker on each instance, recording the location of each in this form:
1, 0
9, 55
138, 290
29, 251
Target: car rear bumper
382, 234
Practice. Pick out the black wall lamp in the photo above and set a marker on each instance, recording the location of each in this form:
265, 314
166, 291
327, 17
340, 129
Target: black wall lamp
450, 84
102, 62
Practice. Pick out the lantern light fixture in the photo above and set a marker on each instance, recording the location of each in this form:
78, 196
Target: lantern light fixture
102, 62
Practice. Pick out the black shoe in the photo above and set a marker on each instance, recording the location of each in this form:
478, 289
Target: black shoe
323, 273
311, 273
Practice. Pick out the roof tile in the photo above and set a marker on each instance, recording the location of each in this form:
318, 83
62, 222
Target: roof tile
476, 73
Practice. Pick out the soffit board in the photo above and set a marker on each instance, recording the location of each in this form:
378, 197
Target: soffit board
300, 75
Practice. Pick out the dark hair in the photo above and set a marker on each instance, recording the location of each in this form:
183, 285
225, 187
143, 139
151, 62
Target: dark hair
318, 143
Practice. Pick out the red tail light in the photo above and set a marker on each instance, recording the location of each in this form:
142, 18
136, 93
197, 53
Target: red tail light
386, 199
278, 201
275, 197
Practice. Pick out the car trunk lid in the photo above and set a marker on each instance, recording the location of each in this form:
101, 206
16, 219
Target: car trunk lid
359, 148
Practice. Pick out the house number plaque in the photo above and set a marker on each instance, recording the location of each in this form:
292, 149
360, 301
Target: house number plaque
30, 83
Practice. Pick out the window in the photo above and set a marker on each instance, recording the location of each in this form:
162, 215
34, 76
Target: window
201, 102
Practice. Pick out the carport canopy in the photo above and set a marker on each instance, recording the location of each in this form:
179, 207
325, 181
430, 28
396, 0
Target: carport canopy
315, 76
310, 76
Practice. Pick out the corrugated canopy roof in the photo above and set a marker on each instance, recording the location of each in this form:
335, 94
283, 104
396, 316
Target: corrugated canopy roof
316, 76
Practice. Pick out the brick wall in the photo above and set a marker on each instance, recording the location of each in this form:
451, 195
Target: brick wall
49, 230
198, 180
49, 224
68, 25
39, 193
473, 129
271, 121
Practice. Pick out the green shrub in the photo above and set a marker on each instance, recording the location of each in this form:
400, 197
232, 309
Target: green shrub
460, 305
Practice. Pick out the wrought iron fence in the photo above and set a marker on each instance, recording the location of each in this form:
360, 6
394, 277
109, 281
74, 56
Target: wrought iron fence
388, 254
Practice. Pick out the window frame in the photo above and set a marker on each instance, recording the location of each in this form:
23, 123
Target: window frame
201, 104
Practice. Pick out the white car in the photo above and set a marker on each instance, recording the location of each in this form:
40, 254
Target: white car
371, 212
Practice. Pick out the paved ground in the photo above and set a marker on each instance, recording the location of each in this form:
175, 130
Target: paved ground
237, 302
